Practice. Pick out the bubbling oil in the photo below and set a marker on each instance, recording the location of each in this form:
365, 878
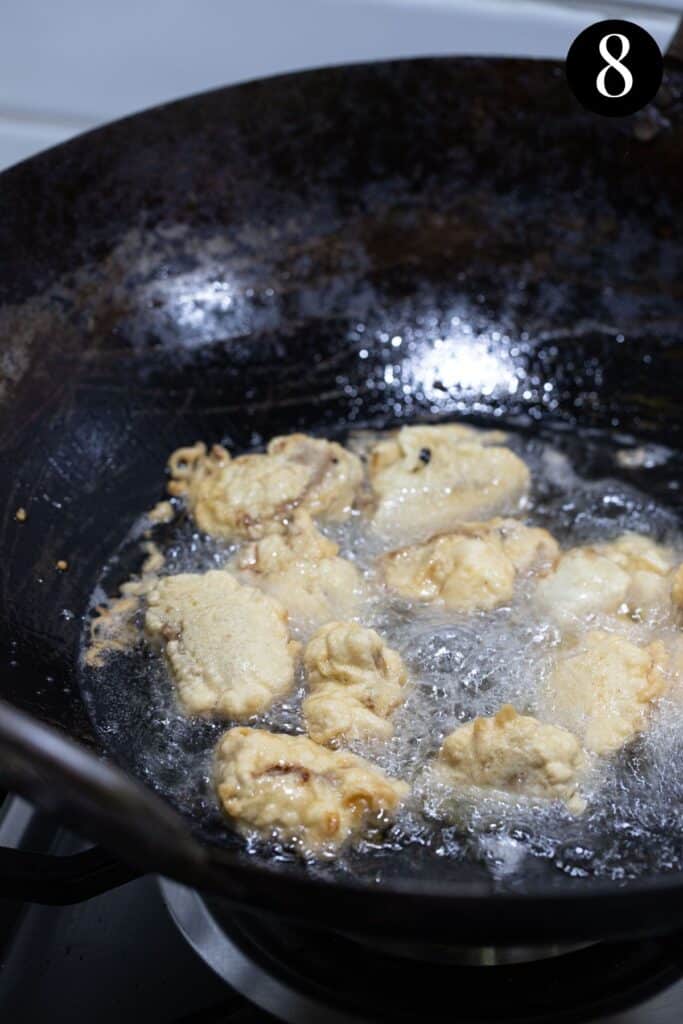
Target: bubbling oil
459, 666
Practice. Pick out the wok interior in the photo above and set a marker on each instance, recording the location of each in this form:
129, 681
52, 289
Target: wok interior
347, 248
459, 666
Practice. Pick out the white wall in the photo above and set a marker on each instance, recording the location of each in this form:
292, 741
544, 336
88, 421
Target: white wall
68, 64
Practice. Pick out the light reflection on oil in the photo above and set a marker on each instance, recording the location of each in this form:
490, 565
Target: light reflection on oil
464, 363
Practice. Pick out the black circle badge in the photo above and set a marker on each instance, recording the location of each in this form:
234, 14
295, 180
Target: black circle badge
614, 68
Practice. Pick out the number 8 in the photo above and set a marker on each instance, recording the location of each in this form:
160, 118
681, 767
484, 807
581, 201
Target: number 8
614, 62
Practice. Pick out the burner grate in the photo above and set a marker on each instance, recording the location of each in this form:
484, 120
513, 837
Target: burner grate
305, 975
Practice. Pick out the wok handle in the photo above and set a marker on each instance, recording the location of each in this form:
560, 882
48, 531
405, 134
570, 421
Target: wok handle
60, 880
95, 799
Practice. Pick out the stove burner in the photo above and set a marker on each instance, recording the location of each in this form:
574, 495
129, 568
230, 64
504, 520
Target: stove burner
303, 976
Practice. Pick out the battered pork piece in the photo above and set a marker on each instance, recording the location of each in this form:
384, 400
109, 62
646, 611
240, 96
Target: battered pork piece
356, 682
514, 754
254, 495
603, 689
301, 568
475, 566
227, 645
428, 479
293, 789
335, 474
630, 575
649, 567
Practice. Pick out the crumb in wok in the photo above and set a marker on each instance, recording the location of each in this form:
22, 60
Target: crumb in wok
162, 512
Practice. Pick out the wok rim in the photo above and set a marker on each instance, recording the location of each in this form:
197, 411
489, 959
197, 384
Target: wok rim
318, 70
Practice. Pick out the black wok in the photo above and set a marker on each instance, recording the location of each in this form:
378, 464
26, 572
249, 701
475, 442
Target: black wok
236, 264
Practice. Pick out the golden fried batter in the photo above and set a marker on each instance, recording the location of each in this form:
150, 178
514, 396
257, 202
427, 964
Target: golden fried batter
428, 479
301, 568
293, 789
334, 717
649, 567
163, 512
334, 473
113, 626
514, 754
635, 552
356, 682
603, 688
584, 583
227, 645
112, 629
475, 566
253, 495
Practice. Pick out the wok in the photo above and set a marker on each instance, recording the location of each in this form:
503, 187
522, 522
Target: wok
346, 247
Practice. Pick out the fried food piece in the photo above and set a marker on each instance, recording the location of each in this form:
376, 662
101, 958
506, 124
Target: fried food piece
356, 657
603, 689
243, 497
635, 552
254, 495
649, 567
514, 754
475, 566
630, 575
427, 479
315, 592
297, 790
301, 568
365, 441
333, 717
356, 682
334, 473
584, 583
227, 645
302, 541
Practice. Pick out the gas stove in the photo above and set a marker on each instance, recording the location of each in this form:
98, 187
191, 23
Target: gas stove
153, 950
